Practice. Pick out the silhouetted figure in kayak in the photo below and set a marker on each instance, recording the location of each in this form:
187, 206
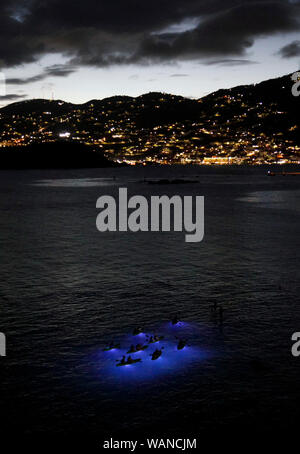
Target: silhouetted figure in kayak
139, 347
181, 344
132, 349
154, 339
128, 362
156, 354
175, 320
111, 346
123, 360
137, 331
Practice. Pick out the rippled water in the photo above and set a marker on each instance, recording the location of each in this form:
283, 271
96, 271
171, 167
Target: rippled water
66, 290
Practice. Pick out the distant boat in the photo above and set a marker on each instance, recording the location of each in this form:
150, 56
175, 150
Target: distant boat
283, 174
172, 181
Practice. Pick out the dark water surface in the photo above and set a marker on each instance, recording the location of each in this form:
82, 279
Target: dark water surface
66, 290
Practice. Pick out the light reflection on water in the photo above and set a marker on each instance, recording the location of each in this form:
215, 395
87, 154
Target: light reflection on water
273, 199
75, 182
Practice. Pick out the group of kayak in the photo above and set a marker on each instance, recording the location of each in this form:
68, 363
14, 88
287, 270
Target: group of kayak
141, 347
129, 360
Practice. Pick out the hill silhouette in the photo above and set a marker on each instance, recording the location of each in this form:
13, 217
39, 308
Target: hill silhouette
52, 155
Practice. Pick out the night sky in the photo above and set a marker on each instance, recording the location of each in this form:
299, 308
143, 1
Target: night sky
80, 50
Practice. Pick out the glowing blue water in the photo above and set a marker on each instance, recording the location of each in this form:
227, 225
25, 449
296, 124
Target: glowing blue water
171, 361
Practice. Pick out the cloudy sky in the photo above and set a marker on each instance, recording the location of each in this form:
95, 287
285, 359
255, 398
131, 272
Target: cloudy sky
80, 50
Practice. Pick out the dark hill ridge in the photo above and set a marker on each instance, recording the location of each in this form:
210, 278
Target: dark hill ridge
274, 91
255, 123
270, 90
37, 106
59, 106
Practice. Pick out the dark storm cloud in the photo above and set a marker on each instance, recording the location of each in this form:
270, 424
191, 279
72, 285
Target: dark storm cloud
231, 62
49, 71
102, 33
290, 50
25, 80
229, 32
59, 70
11, 97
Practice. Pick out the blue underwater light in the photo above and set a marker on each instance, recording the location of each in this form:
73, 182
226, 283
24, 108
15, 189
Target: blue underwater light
144, 368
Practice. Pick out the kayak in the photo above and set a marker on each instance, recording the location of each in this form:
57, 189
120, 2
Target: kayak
137, 331
175, 320
181, 345
156, 355
156, 340
107, 349
133, 361
140, 349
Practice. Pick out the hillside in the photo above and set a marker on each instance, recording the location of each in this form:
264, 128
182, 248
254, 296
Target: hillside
246, 124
